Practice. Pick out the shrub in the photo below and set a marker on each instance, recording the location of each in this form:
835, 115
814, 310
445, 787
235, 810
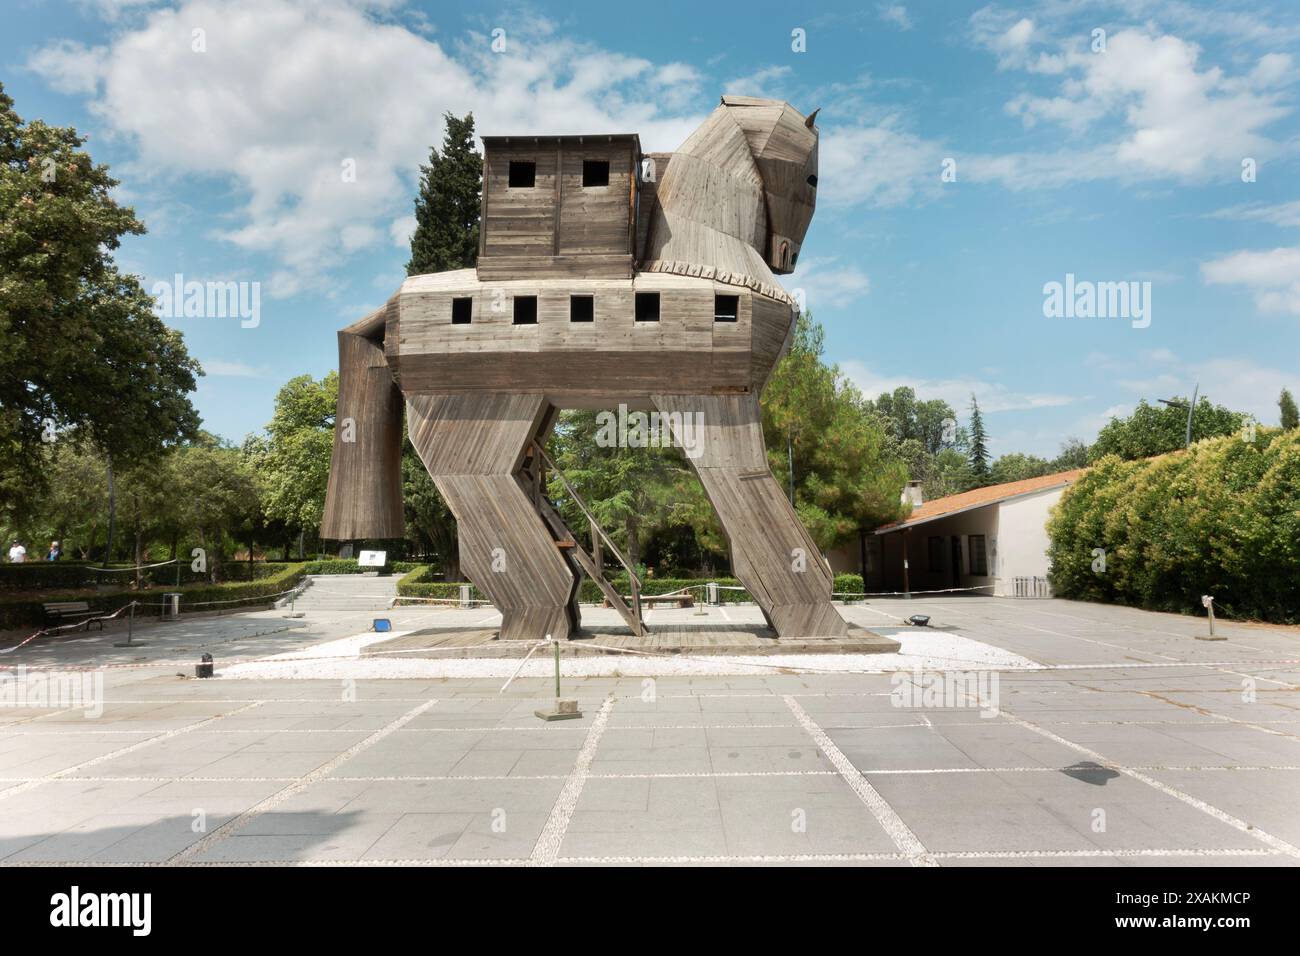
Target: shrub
350, 566
30, 612
1222, 518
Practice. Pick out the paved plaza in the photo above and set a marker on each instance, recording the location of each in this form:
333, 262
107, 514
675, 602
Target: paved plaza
1101, 736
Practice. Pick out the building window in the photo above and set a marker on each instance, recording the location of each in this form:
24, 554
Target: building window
812, 180
726, 308
523, 175
935, 546
595, 172
979, 558
461, 311
582, 308
525, 310
647, 306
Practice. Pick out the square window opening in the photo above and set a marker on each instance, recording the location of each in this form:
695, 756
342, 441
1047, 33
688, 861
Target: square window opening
525, 310
462, 310
647, 306
595, 172
582, 308
523, 174
726, 308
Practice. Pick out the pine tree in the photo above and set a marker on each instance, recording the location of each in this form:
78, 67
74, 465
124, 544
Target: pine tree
447, 208
979, 453
1290, 416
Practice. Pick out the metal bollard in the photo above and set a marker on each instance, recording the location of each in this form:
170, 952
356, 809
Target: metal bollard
1207, 602
204, 667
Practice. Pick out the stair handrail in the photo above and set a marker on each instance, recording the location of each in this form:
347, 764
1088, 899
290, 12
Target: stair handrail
634, 578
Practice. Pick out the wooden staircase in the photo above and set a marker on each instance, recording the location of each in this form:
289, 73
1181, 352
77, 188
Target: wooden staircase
592, 564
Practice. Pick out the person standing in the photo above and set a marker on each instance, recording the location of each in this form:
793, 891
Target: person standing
55, 552
17, 553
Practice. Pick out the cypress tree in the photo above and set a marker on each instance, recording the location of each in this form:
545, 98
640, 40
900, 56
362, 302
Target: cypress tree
979, 453
1290, 416
447, 208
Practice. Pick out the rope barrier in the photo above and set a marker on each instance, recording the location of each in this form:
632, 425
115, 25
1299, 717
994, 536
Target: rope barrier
84, 623
474, 602
979, 587
133, 569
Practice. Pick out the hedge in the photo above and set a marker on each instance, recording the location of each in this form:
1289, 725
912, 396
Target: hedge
1222, 518
350, 566
45, 575
29, 611
420, 583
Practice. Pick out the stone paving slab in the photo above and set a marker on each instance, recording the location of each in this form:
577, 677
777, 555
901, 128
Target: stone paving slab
1183, 767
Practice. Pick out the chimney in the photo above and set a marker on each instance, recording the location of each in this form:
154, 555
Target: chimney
912, 494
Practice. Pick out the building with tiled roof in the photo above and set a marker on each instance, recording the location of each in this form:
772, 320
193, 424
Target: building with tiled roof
991, 540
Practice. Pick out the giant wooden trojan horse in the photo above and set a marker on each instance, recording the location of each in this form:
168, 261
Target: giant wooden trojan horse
604, 277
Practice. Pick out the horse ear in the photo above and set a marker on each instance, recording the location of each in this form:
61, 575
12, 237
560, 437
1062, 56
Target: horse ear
812, 118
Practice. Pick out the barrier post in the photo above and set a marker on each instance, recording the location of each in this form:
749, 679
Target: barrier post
564, 709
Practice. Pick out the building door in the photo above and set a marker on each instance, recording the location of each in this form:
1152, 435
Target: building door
955, 563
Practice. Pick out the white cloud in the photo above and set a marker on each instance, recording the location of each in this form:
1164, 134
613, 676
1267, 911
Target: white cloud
1272, 276
1148, 107
896, 14
68, 66
992, 396
769, 82
288, 91
826, 285
401, 229
1241, 384
882, 164
219, 367
1279, 214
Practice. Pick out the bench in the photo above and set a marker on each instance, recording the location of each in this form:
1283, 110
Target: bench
64, 610
681, 600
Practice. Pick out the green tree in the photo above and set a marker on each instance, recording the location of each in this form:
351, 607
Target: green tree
947, 473
80, 346
978, 455
295, 460
1074, 454
1290, 416
819, 428
932, 422
624, 486
220, 494
1155, 430
447, 208
1018, 467
430, 525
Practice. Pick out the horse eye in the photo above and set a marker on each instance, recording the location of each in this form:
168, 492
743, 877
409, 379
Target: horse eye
812, 180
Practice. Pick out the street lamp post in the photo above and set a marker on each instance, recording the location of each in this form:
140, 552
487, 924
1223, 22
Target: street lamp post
1191, 409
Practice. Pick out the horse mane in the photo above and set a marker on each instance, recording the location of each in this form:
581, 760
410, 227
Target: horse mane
710, 216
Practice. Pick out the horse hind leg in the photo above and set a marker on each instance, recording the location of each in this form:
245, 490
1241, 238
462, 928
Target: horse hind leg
473, 447
771, 552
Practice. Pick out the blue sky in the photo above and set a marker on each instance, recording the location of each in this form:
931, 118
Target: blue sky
1115, 157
